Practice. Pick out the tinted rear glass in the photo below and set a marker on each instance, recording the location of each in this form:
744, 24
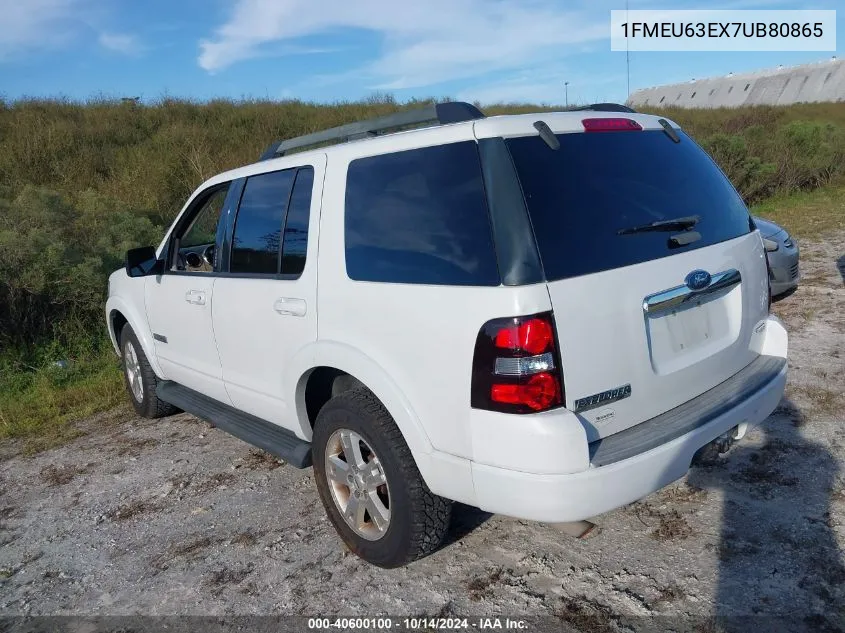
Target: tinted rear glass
258, 227
295, 242
579, 196
419, 216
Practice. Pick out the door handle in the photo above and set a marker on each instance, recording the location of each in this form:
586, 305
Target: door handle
197, 297
290, 306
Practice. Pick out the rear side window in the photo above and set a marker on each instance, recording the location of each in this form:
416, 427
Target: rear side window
420, 217
296, 225
597, 184
258, 227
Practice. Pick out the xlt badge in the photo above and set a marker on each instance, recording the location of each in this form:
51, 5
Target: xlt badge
598, 399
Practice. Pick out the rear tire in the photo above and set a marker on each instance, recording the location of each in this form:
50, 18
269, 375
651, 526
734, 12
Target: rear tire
140, 379
381, 475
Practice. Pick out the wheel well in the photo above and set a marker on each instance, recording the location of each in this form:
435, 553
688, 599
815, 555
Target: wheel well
323, 384
117, 323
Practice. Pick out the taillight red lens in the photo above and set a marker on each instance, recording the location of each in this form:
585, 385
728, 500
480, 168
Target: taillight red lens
516, 366
612, 124
539, 392
534, 336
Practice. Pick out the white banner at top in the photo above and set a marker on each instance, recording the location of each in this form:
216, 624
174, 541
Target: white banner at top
723, 30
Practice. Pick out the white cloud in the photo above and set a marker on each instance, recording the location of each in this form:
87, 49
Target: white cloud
122, 43
28, 26
422, 43
31, 24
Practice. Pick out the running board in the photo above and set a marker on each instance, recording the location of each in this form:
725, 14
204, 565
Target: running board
265, 435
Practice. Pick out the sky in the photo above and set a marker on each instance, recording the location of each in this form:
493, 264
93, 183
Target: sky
330, 50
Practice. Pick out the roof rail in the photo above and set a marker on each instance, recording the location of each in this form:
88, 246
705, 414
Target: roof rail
440, 113
604, 107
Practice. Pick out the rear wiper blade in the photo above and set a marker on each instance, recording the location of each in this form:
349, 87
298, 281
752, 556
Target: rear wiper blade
675, 224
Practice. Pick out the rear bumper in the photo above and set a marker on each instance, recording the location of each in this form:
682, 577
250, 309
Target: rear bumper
599, 489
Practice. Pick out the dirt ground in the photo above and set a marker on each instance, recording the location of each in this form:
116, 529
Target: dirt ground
175, 517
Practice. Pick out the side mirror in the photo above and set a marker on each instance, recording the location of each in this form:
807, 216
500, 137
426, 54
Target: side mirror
141, 262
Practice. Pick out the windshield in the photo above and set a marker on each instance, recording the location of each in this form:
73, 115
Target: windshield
584, 198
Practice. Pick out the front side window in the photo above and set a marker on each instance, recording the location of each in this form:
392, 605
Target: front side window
419, 216
197, 242
258, 227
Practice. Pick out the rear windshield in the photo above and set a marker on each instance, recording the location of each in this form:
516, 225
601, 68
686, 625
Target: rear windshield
597, 184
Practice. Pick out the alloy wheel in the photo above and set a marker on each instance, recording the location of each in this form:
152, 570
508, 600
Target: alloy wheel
133, 372
358, 484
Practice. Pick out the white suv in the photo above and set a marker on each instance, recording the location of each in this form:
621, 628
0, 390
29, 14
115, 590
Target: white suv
544, 315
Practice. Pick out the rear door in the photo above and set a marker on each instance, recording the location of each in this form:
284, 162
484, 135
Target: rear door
648, 317
265, 304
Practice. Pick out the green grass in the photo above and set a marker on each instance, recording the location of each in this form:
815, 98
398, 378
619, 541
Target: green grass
150, 157
38, 405
704, 122
807, 214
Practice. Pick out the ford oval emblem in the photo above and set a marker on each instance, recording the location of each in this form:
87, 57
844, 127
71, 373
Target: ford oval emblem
697, 280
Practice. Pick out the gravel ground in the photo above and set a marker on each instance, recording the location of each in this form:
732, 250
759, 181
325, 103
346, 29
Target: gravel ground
175, 517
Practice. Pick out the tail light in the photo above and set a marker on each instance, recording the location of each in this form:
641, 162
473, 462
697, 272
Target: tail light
613, 124
516, 367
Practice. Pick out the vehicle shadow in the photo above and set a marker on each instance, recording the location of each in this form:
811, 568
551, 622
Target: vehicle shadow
784, 295
778, 553
465, 519
840, 265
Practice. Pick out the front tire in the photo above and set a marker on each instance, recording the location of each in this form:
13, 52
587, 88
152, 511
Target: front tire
370, 486
140, 379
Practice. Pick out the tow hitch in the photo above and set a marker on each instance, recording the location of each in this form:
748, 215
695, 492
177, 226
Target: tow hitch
722, 444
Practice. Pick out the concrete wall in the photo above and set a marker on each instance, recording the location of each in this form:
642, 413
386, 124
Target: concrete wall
810, 83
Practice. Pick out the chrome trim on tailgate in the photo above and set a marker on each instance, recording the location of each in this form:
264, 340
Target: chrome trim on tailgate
679, 295
689, 416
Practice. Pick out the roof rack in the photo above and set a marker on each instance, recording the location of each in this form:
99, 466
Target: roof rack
603, 107
440, 113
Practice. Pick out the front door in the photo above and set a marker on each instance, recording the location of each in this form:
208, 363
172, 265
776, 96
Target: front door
179, 301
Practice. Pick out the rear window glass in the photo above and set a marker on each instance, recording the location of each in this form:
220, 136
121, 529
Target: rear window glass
597, 184
295, 242
258, 227
420, 217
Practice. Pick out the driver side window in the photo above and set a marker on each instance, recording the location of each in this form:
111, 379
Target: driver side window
197, 242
